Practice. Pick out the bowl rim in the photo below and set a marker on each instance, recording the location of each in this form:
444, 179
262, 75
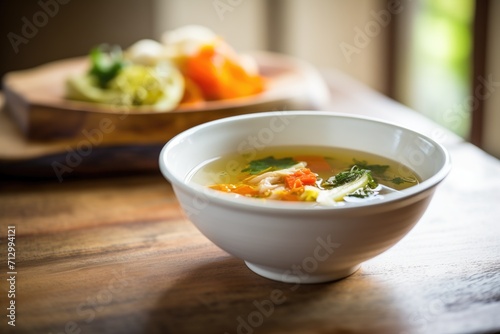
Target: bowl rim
242, 202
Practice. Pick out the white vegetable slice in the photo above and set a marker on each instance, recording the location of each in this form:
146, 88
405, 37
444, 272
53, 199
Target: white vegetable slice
331, 196
160, 87
85, 88
146, 52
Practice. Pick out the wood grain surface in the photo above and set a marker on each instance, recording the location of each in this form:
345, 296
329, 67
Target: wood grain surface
116, 255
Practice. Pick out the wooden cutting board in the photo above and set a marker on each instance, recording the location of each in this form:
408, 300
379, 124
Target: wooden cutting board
35, 99
40, 129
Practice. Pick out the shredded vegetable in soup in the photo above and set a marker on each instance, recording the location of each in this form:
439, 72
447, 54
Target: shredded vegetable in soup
328, 176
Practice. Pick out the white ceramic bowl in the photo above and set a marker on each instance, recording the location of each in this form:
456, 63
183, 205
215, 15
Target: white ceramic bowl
294, 242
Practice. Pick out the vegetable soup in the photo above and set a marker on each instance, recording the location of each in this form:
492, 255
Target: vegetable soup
326, 175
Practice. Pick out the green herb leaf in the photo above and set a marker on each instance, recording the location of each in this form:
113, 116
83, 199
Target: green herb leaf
349, 176
375, 169
268, 164
105, 65
398, 180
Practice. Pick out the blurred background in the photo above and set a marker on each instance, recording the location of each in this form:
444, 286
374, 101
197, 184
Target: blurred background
437, 57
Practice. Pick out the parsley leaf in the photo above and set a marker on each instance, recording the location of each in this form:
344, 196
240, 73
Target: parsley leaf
348, 176
378, 170
398, 180
268, 164
106, 65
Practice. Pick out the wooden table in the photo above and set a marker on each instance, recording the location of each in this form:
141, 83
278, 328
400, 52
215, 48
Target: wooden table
116, 255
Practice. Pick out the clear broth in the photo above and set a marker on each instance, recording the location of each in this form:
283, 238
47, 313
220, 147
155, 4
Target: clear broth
227, 169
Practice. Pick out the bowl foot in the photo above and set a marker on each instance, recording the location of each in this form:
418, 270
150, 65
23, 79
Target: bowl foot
288, 276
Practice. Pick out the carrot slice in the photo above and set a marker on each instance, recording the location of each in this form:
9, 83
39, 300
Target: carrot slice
290, 196
192, 93
300, 178
219, 77
241, 189
315, 163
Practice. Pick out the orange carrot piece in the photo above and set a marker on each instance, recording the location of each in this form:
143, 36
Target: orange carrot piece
219, 77
291, 196
315, 163
300, 178
241, 189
